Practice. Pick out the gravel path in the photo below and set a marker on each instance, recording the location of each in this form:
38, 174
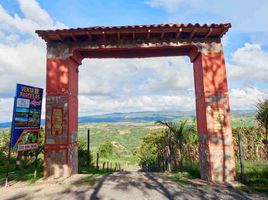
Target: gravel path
124, 185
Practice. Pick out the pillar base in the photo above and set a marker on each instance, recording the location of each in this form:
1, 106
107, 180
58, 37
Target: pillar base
61, 162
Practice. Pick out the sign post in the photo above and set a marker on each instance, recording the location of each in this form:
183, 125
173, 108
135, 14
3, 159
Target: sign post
88, 147
9, 145
25, 131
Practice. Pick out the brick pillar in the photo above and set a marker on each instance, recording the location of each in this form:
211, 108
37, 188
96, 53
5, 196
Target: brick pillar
61, 155
216, 154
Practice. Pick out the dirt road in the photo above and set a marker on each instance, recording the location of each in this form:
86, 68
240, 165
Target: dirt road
125, 185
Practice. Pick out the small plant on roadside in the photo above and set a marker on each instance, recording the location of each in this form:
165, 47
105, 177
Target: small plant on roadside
106, 149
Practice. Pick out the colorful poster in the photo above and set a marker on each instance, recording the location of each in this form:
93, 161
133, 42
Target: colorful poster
56, 121
26, 118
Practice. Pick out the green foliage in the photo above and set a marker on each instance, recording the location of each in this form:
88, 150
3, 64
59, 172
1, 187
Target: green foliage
182, 140
168, 148
180, 135
150, 155
24, 173
253, 147
106, 149
82, 153
4, 141
151, 149
262, 115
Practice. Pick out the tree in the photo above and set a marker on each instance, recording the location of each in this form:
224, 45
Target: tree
151, 151
164, 149
262, 116
176, 134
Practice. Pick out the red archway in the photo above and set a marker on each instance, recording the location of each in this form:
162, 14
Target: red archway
202, 43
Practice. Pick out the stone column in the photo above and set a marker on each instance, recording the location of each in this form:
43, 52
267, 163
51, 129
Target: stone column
61, 152
216, 154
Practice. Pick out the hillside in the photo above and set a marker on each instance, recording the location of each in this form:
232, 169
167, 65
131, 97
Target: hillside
149, 116
125, 130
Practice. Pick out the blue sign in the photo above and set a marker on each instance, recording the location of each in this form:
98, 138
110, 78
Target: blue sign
26, 118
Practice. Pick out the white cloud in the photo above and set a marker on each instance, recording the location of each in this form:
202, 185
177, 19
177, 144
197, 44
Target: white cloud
207, 11
109, 85
177, 75
139, 76
34, 18
34, 12
6, 107
98, 105
250, 63
22, 63
23, 60
171, 6
246, 98
168, 5
15, 23
22, 53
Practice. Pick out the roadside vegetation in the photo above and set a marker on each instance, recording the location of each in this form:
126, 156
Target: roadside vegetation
175, 149
168, 149
160, 146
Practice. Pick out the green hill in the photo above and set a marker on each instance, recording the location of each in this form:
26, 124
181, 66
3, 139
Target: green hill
125, 130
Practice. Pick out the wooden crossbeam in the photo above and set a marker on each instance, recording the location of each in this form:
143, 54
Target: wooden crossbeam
209, 32
118, 35
222, 33
192, 33
59, 37
89, 36
148, 34
73, 37
104, 36
163, 34
133, 35
45, 37
178, 33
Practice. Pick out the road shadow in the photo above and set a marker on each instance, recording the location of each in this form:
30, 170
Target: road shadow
133, 185
152, 183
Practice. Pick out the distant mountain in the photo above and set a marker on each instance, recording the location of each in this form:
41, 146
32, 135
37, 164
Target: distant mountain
5, 125
146, 116
137, 116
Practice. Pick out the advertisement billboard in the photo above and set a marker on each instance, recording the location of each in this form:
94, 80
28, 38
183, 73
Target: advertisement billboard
26, 118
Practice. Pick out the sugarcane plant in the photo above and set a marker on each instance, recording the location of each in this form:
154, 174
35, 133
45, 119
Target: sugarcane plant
262, 117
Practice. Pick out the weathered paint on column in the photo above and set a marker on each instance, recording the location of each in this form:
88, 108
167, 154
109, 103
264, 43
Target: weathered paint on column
61, 156
213, 118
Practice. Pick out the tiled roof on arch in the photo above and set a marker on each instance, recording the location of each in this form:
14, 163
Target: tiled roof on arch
195, 32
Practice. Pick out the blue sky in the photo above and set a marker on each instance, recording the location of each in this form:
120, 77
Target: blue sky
124, 85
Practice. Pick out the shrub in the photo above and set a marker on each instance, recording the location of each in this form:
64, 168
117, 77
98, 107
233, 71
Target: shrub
106, 149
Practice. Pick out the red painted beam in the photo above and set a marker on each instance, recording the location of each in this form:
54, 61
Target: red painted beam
135, 53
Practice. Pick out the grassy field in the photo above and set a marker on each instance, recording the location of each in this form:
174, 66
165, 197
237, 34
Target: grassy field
256, 176
242, 120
